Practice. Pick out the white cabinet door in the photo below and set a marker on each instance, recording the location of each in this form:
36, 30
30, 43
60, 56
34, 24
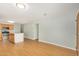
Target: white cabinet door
19, 37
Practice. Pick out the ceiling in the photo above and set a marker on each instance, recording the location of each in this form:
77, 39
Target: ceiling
36, 11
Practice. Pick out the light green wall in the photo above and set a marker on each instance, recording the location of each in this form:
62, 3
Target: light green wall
30, 31
59, 29
17, 28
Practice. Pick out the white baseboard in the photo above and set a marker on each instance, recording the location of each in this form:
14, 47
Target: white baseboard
30, 38
58, 45
53, 44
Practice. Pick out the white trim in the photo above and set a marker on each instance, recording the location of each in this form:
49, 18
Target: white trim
29, 38
53, 44
58, 45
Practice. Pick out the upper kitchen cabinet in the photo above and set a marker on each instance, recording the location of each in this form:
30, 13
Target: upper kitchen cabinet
0, 26
11, 26
8, 26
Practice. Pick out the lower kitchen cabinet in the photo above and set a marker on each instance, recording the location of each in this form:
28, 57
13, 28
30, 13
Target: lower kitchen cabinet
11, 37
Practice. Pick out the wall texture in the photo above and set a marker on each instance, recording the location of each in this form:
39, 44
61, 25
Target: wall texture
30, 31
55, 27
17, 28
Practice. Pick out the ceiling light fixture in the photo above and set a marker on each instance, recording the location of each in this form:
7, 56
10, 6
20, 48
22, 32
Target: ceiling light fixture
20, 5
11, 21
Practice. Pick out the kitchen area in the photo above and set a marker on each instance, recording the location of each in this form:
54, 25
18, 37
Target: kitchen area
7, 33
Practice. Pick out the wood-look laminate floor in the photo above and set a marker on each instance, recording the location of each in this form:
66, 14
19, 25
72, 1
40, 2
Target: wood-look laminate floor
33, 48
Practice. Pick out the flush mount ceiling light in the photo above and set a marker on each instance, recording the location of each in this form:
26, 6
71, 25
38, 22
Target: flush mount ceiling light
11, 21
20, 5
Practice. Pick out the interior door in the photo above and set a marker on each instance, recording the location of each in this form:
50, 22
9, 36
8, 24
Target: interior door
77, 41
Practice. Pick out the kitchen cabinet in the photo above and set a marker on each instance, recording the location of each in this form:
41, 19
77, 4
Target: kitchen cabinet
11, 37
4, 28
0, 35
0, 31
16, 37
0, 26
11, 26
